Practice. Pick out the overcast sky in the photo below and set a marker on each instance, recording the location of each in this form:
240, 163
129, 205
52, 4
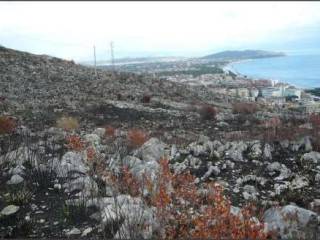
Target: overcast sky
70, 29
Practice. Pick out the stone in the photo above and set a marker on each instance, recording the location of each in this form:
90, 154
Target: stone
9, 210
222, 124
152, 150
299, 182
179, 167
284, 144
280, 187
57, 186
86, 231
249, 192
267, 152
291, 221
17, 170
274, 167
307, 144
173, 151
15, 179
85, 184
255, 150
317, 177
71, 161
261, 180
194, 162
131, 161
100, 132
93, 139
235, 151
73, 231
131, 210
311, 157
19, 156
285, 173
211, 170
198, 150
315, 205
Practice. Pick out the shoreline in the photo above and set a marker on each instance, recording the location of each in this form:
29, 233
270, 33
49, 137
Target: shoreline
229, 67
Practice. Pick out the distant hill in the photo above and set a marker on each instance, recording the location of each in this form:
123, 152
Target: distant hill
246, 54
125, 61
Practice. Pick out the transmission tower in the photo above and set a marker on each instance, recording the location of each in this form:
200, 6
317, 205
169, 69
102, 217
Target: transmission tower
95, 60
112, 54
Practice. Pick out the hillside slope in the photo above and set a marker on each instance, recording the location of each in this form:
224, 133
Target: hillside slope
40, 87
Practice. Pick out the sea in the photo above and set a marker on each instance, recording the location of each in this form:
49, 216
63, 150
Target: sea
302, 71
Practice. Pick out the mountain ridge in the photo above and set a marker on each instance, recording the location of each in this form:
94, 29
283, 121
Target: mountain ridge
243, 54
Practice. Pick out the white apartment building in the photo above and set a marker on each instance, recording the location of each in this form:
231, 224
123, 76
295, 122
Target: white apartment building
281, 91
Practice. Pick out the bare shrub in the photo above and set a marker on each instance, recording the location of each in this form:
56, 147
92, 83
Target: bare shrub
136, 138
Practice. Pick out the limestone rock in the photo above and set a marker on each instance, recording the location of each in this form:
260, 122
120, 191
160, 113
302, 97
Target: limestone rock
15, 179
9, 210
291, 221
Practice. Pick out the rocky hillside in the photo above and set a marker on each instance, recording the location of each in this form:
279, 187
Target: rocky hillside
46, 86
136, 157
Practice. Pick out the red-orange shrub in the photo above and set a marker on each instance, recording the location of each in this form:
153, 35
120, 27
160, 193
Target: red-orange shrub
186, 213
7, 125
136, 138
75, 143
128, 183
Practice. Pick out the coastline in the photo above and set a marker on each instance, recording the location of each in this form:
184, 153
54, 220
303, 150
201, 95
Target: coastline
230, 67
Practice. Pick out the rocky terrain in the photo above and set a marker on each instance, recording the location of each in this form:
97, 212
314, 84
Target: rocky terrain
59, 181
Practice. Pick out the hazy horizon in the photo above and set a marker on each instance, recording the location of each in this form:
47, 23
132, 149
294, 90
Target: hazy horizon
148, 29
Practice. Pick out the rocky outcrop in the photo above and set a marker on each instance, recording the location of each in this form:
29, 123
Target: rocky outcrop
292, 222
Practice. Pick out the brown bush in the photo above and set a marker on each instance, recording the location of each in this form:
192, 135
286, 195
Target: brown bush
136, 138
110, 132
7, 125
207, 112
146, 99
67, 123
315, 120
244, 108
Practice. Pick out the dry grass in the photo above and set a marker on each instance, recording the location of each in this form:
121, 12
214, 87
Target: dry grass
68, 123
